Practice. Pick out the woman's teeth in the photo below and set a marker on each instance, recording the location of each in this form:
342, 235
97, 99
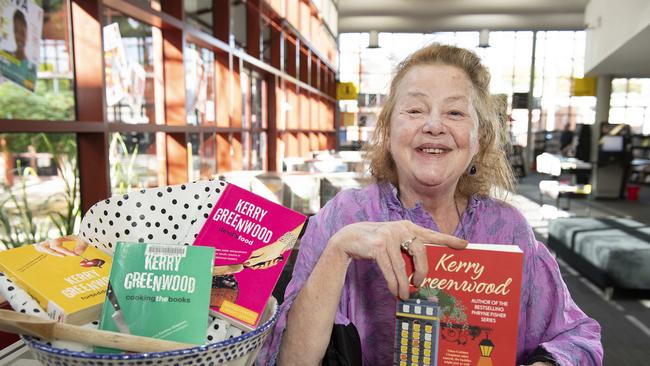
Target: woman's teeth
432, 151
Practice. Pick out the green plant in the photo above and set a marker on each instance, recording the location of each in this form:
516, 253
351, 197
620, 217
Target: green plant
44, 104
66, 166
124, 176
21, 220
18, 224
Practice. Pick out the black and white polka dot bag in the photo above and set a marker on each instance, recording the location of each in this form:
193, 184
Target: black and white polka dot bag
164, 215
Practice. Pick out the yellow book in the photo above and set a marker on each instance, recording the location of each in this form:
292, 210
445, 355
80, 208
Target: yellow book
71, 289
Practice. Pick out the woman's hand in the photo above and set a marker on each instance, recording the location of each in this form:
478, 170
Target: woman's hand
55, 246
381, 242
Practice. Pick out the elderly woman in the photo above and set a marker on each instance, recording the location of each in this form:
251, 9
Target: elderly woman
438, 160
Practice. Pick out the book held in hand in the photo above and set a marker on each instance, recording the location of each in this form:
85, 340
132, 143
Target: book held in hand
466, 310
159, 291
252, 237
70, 288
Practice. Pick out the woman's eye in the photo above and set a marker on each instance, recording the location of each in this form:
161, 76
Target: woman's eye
457, 113
413, 111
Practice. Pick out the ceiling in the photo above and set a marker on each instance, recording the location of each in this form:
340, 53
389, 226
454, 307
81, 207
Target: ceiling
426, 16
632, 59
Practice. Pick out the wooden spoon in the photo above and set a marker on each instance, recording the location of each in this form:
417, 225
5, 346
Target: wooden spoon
15, 322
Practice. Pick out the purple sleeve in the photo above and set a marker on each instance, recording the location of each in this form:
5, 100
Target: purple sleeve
554, 321
319, 229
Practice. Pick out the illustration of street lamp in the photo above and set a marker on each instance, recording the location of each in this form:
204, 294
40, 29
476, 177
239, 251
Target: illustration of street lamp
486, 346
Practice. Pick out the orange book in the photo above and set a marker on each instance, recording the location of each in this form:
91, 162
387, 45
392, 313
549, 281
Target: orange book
71, 289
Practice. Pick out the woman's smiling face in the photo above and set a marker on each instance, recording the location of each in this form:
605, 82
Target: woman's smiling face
434, 127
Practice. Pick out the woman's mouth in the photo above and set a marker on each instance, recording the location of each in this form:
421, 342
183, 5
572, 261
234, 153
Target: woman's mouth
432, 150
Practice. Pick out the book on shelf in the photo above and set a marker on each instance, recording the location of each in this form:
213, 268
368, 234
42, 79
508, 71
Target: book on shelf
253, 238
70, 288
159, 291
466, 310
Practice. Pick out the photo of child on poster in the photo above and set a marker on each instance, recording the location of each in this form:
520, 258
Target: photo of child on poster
21, 23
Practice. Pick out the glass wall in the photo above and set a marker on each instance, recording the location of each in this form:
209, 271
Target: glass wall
39, 187
166, 94
559, 58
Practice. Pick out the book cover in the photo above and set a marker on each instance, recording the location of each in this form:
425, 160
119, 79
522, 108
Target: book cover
466, 310
70, 288
252, 237
159, 291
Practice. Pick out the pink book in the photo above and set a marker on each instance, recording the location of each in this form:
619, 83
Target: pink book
252, 237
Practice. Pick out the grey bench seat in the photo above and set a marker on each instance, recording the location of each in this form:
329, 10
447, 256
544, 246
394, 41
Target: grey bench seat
613, 252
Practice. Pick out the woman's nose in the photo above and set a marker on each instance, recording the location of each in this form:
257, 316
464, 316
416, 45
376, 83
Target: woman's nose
433, 124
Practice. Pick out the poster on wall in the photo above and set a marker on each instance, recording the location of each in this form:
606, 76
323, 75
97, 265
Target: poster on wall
135, 88
117, 71
196, 83
21, 24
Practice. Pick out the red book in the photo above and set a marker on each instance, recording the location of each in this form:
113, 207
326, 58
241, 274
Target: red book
466, 310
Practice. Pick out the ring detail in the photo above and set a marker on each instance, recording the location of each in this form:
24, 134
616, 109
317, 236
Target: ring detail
407, 243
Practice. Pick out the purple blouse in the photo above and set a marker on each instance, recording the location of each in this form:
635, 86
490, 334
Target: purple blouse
548, 317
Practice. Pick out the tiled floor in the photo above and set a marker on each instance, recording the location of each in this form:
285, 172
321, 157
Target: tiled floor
625, 321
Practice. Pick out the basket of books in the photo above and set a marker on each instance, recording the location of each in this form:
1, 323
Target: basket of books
180, 275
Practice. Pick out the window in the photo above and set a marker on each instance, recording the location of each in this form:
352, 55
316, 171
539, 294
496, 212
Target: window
203, 155
556, 69
508, 58
199, 85
134, 162
630, 104
39, 187
160, 103
129, 70
199, 14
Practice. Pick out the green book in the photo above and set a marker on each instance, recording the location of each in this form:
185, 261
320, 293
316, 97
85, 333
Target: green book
159, 291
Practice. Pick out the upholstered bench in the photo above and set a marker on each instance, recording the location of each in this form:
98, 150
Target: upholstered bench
612, 252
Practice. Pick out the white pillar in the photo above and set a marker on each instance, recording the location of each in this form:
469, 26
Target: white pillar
603, 96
